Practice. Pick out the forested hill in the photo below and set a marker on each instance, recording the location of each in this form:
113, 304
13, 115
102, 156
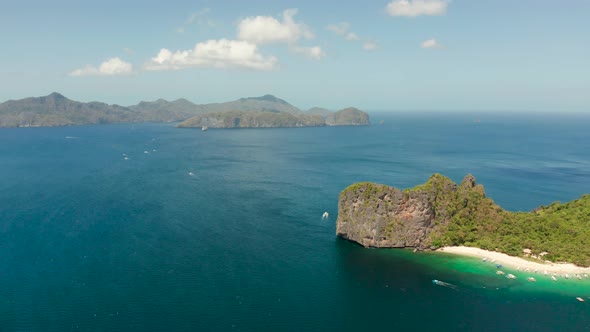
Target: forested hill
57, 110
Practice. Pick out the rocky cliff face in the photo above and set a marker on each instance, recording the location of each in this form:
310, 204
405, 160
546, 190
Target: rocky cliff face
376, 215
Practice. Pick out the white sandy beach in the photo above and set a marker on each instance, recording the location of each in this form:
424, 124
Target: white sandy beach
517, 262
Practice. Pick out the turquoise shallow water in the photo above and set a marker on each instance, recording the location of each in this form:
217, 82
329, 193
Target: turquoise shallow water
90, 241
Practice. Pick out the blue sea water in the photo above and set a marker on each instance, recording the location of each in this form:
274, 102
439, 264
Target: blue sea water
221, 230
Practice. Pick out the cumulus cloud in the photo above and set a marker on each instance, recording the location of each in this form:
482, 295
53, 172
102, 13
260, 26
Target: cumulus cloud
413, 8
314, 52
222, 53
431, 43
267, 29
110, 67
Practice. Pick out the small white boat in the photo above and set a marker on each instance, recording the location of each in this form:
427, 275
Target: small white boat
325, 215
553, 278
531, 279
485, 259
511, 276
500, 272
204, 128
191, 173
580, 299
146, 151
126, 158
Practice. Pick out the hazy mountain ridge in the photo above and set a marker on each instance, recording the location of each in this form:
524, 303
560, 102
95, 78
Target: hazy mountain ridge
57, 110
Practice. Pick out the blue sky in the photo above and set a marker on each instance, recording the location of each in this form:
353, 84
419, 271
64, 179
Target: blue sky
530, 55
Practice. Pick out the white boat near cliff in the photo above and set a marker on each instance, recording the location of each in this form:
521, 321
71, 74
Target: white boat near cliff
204, 128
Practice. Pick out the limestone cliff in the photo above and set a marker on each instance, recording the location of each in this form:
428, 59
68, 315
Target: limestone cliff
442, 213
376, 215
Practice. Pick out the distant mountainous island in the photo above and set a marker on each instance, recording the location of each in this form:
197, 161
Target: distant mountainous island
441, 213
265, 111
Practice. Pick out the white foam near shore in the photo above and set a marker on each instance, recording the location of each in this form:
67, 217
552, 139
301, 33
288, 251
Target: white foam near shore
517, 262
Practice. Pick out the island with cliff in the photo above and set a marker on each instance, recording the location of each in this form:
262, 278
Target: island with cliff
253, 112
441, 213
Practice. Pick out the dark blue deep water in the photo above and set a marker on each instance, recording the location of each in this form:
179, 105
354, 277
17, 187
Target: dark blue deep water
90, 241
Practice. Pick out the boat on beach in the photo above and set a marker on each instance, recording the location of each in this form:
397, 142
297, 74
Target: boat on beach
531, 279
511, 276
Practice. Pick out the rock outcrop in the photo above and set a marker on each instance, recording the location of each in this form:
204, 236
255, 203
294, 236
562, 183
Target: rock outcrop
376, 215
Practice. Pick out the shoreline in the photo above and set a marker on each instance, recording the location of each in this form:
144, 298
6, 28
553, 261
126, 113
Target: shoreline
518, 263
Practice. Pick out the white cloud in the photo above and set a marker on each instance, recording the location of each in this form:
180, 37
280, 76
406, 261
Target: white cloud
370, 46
200, 18
197, 17
413, 8
339, 28
314, 52
220, 53
110, 67
351, 36
267, 29
431, 43
343, 29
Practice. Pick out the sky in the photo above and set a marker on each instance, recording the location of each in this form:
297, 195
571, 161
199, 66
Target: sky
381, 55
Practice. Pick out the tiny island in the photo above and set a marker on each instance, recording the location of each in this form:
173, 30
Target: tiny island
459, 219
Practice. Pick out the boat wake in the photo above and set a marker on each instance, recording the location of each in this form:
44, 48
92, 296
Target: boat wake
444, 284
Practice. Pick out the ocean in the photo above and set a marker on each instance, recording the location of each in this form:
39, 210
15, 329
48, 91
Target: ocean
221, 230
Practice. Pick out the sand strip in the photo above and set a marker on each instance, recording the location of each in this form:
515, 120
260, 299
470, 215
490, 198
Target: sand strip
517, 262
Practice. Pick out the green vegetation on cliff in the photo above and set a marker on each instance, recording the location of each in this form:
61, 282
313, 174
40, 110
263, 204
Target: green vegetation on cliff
442, 213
